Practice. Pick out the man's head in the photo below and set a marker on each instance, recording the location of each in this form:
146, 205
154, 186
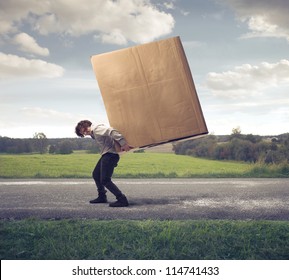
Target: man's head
82, 127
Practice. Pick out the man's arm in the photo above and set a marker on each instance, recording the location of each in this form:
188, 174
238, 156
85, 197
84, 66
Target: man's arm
126, 148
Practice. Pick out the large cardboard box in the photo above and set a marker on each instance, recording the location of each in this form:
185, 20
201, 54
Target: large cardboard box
149, 93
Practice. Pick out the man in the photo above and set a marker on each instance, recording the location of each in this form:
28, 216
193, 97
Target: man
109, 139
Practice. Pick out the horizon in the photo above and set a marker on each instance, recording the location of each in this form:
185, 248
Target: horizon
189, 138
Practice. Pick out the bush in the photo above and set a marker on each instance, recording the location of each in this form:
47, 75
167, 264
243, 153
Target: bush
248, 148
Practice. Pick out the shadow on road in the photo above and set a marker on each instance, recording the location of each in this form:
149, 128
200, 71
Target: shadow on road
158, 201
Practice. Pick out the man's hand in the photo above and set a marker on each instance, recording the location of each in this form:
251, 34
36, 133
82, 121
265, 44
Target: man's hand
126, 148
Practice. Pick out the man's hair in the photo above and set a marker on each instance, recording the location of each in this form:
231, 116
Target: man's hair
82, 124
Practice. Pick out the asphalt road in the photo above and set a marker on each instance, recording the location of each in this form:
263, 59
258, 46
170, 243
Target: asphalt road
245, 199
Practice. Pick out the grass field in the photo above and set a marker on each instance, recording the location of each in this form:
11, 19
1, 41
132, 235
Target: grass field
132, 165
90, 239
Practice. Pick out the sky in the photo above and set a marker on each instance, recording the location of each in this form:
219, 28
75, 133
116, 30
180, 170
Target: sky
238, 52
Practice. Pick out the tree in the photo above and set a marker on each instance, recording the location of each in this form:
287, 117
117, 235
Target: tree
236, 132
52, 149
40, 142
222, 151
65, 147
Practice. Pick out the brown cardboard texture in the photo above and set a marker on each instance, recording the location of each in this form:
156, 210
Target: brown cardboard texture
149, 93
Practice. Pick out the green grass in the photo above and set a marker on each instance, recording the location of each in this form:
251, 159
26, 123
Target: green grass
47, 165
171, 165
131, 165
91, 239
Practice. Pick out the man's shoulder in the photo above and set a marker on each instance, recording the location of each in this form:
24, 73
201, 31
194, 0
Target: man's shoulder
98, 125
101, 129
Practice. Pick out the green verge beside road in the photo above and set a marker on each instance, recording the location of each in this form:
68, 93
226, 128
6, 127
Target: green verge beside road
90, 239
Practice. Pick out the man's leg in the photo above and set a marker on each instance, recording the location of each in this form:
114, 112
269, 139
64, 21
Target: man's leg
108, 163
96, 174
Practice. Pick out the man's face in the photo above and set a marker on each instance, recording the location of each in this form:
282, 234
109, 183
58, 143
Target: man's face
84, 131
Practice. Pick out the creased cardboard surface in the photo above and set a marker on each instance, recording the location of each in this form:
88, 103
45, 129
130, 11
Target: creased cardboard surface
149, 93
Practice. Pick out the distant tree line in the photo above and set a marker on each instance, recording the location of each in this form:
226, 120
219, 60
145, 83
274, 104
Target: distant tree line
41, 144
238, 146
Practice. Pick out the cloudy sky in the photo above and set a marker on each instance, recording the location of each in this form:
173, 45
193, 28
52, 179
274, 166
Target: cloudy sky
238, 51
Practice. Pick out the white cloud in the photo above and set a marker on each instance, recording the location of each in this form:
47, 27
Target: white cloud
248, 79
13, 66
5, 26
185, 13
262, 28
114, 37
46, 115
13, 12
169, 5
114, 21
265, 18
29, 45
51, 122
54, 117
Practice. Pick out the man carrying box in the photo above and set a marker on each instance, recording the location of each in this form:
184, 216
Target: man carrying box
107, 138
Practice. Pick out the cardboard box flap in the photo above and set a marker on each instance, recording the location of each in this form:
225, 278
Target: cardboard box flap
149, 93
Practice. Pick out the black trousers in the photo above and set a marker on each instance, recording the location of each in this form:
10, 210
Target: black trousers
102, 174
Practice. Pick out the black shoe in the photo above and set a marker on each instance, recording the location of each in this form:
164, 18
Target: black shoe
121, 202
100, 199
